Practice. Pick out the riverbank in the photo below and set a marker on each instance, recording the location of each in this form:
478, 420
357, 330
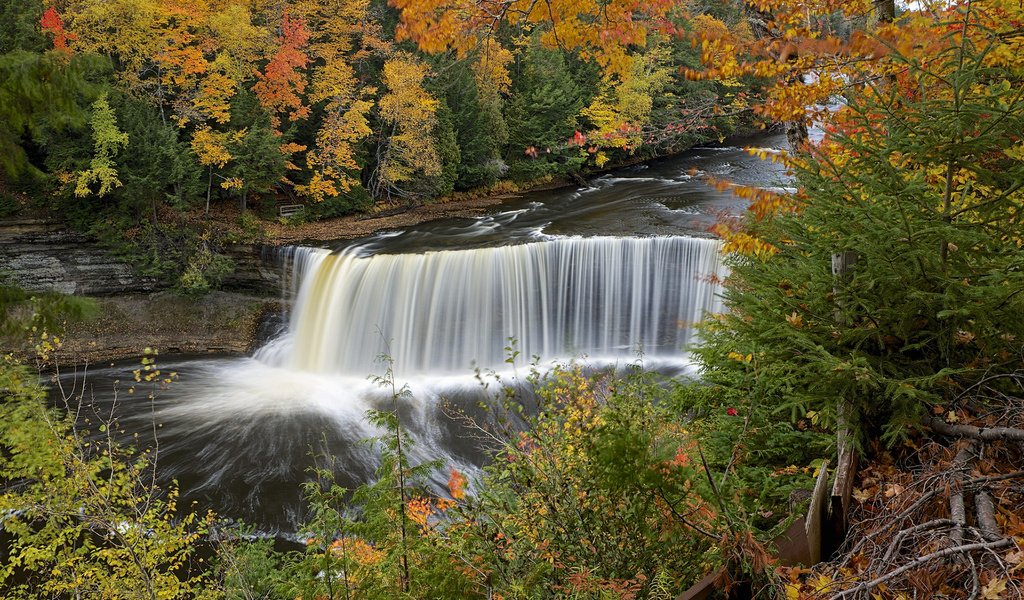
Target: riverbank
468, 204
356, 226
280, 232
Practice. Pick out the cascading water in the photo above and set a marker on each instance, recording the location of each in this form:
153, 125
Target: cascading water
442, 312
240, 434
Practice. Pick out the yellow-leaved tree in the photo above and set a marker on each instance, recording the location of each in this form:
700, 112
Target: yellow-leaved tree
407, 148
211, 148
108, 140
622, 110
341, 34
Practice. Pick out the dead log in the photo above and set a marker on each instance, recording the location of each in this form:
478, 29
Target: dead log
988, 434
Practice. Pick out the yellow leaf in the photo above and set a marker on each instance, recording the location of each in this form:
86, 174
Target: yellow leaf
993, 590
792, 591
1016, 559
821, 582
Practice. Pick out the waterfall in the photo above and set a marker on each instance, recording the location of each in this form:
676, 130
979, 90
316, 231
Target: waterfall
444, 311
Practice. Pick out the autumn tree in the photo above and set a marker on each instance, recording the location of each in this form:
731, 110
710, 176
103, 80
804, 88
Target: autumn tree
132, 33
282, 83
211, 148
602, 31
341, 34
621, 114
409, 114
238, 40
53, 25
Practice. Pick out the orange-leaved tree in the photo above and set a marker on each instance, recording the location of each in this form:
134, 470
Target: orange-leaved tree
283, 81
601, 30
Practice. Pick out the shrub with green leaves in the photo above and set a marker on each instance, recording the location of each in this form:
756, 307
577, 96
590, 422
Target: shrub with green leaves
81, 514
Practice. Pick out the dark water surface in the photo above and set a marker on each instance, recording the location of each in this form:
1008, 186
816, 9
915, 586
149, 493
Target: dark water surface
668, 196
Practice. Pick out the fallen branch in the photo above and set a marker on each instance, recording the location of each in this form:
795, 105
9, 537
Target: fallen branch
994, 478
917, 562
986, 510
929, 495
957, 511
988, 434
903, 533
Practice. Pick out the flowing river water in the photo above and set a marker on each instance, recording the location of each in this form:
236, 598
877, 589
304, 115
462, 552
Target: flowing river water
601, 274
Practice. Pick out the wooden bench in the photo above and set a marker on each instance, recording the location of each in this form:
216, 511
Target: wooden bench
287, 210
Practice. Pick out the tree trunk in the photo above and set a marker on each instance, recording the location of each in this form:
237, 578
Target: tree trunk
209, 186
885, 10
846, 448
796, 135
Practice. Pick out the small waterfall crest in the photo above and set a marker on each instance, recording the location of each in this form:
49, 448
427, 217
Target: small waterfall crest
445, 311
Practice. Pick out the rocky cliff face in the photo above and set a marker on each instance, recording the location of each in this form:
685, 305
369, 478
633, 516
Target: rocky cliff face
43, 255
256, 270
135, 311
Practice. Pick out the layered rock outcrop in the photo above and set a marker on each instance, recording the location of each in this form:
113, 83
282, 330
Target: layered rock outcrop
136, 311
40, 255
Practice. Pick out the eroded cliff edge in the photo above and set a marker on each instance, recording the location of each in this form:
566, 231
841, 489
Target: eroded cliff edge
136, 311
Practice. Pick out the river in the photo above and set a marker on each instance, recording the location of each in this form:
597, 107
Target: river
612, 273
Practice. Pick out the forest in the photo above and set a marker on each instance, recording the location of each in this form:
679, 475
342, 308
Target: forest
135, 115
861, 384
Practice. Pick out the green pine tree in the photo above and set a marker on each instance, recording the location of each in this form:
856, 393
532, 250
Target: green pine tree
924, 189
543, 113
